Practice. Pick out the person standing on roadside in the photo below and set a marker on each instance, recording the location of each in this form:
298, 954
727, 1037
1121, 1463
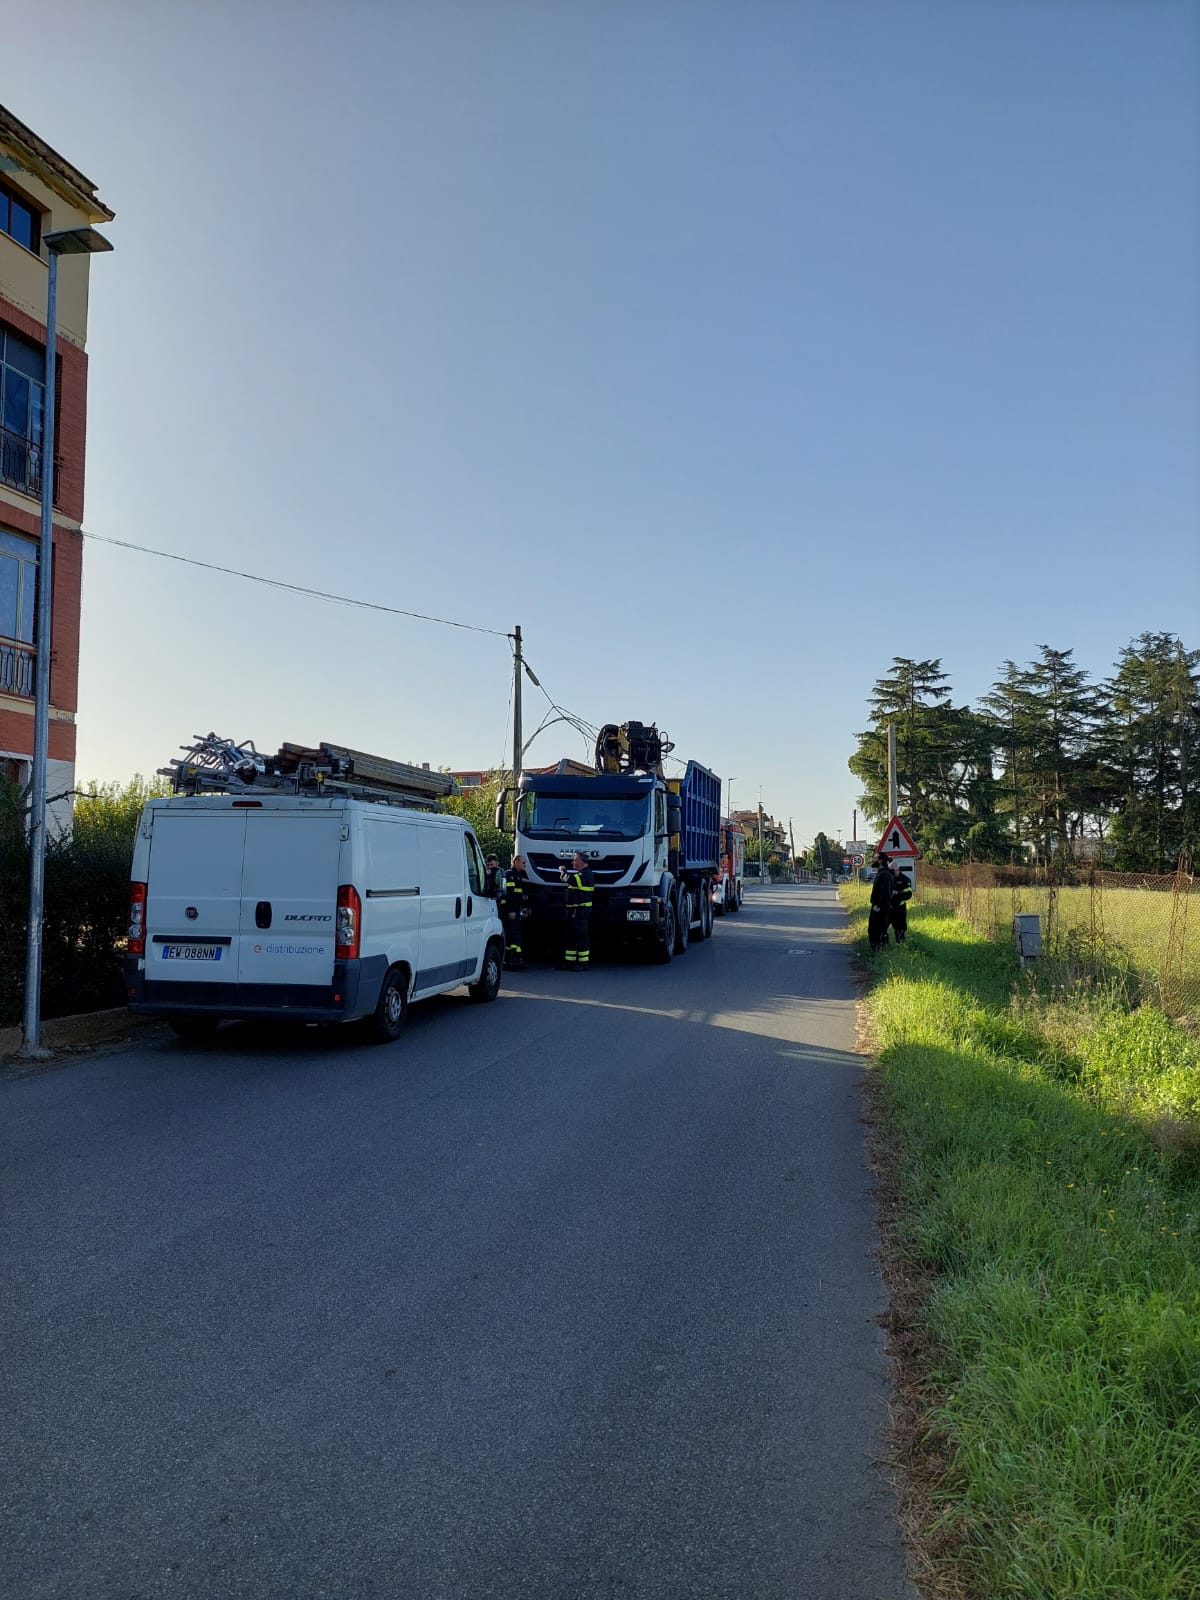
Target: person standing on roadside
578, 879
881, 905
512, 910
901, 895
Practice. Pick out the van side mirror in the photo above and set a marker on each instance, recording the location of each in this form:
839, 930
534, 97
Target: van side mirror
501, 817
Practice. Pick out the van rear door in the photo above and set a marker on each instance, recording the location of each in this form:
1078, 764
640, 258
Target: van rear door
289, 897
194, 895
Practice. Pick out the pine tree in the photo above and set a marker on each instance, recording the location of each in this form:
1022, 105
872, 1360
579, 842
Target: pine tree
1063, 709
1156, 706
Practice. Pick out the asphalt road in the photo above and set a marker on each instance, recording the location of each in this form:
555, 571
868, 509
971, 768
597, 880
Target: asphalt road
572, 1295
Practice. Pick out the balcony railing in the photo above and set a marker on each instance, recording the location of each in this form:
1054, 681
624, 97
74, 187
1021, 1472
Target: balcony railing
17, 670
21, 464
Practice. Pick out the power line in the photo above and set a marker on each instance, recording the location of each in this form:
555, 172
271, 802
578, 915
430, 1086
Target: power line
294, 588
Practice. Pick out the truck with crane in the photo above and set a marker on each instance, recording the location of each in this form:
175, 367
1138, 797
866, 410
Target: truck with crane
652, 843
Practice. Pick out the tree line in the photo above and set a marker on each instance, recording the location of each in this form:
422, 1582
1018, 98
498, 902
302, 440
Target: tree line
1052, 765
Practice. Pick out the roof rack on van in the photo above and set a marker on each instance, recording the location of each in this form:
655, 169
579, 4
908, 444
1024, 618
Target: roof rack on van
215, 765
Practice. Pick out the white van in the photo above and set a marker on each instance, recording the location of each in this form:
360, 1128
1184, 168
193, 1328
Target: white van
318, 910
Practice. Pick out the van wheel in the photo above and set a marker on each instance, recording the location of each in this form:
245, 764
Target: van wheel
194, 1028
391, 1009
488, 985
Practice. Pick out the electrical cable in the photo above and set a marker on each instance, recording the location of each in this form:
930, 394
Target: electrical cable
294, 588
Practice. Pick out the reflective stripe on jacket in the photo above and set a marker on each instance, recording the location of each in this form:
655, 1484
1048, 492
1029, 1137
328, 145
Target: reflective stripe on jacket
579, 890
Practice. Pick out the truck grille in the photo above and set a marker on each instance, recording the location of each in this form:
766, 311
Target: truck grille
604, 873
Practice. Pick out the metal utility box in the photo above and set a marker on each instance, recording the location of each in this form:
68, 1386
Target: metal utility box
1028, 930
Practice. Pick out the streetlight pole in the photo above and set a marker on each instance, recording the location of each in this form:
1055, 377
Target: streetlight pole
762, 860
67, 242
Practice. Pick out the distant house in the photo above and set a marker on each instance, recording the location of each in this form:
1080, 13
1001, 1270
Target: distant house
476, 777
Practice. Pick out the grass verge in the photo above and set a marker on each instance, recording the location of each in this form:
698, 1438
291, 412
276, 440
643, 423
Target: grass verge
1040, 1175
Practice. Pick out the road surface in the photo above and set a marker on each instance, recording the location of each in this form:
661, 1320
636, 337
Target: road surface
572, 1295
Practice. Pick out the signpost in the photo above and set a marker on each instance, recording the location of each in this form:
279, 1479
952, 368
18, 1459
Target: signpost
900, 851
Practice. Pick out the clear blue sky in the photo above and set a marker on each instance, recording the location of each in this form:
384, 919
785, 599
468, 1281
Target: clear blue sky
731, 349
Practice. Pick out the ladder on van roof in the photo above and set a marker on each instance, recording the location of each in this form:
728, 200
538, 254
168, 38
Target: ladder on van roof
214, 765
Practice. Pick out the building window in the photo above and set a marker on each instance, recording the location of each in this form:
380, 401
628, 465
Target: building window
18, 587
19, 219
22, 412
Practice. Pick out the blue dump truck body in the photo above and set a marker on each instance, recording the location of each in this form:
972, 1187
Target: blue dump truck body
700, 797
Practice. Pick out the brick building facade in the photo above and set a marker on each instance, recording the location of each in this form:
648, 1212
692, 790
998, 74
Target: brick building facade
40, 193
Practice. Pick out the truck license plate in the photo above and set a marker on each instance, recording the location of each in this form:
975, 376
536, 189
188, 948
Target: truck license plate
638, 916
191, 952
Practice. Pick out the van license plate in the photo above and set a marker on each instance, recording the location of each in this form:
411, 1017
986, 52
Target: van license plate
191, 952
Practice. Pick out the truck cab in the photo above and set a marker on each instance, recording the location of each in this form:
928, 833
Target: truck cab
646, 841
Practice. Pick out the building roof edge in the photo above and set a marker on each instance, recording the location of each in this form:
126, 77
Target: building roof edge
56, 169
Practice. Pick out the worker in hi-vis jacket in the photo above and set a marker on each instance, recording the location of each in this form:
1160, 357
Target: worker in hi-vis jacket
578, 880
512, 909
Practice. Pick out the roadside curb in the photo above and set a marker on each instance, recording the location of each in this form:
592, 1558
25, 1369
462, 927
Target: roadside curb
68, 1034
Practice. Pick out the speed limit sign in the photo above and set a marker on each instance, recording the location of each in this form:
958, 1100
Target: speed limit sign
857, 860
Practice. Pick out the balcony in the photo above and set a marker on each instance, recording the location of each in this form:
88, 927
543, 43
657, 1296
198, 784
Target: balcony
21, 464
17, 670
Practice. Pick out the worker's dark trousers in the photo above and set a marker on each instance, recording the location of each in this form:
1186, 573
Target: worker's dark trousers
578, 948
877, 927
900, 921
513, 953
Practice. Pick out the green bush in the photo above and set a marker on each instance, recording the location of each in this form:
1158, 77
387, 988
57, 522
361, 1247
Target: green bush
86, 905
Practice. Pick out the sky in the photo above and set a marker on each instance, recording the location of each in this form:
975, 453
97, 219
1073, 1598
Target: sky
731, 349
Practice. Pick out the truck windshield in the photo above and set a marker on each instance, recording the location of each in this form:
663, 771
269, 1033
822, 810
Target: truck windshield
571, 816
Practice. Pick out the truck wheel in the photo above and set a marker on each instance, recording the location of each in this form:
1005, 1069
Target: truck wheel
735, 900
706, 910
721, 906
194, 1028
488, 985
391, 1009
664, 949
683, 923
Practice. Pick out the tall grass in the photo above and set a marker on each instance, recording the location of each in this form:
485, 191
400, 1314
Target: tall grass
1047, 1160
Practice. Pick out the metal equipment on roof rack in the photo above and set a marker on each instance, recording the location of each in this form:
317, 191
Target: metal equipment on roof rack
215, 765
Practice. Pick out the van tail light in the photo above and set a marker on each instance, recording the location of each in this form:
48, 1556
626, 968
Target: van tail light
349, 917
137, 919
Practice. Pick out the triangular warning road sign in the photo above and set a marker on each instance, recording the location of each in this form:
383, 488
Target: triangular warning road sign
896, 841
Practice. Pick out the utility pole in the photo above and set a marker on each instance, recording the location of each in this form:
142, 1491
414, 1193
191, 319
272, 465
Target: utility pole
762, 856
893, 806
792, 838
854, 829
518, 730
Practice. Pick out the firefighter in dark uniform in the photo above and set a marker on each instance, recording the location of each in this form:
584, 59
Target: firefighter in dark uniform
881, 904
901, 895
578, 879
513, 910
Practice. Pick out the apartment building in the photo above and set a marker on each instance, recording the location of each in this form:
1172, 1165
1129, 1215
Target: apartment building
40, 193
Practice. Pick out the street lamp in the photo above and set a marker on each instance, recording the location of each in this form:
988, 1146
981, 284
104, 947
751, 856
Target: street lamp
66, 242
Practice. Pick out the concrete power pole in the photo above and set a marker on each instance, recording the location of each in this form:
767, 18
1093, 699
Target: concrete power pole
518, 731
762, 858
792, 838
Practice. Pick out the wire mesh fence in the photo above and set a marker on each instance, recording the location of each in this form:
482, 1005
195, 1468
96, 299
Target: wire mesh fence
1137, 930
